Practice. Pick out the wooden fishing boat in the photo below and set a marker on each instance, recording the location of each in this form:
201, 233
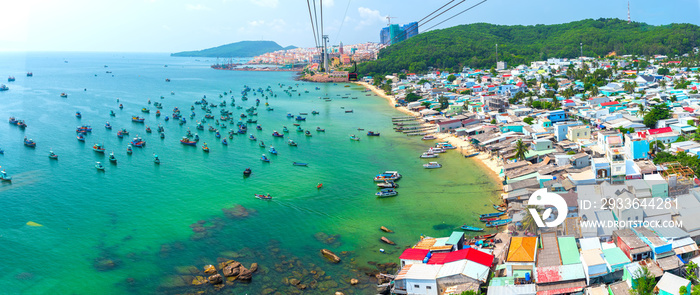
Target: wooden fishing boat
494, 214
471, 228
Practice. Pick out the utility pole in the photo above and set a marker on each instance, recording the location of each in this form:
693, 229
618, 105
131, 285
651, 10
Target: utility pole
496, 55
325, 52
581, 49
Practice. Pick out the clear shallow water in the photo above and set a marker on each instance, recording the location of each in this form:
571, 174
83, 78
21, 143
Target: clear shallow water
140, 215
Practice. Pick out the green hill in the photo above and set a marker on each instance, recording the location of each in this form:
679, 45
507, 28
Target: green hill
238, 49
474, 45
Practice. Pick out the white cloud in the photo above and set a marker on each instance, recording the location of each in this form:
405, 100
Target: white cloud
369, 17
266, 3
197, 7
275, 25
328, 3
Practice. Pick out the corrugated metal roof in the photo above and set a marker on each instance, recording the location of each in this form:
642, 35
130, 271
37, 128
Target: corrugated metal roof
414, 254
569, 251
592, 257
671, 283
440, 242
589, 243
670, 232
522, 249
619, 288
422, 272
454, 238
550, 274
615, 256
452, 268
513, 289
476, 271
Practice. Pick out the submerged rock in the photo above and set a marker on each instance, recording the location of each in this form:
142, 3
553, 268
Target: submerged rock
215, 279
237, 212
209, 269
105, 264
254, 267
330, 255
199, 280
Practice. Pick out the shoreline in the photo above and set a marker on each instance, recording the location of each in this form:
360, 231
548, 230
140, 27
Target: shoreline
483, 160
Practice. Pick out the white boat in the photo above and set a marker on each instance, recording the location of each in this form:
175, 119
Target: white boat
387, 192
429, 137
436, 150
445, 146
99, 166
388, 184
387, 175
432, 165
429, 155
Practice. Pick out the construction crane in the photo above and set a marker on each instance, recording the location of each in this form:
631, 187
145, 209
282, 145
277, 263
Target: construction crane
388, 20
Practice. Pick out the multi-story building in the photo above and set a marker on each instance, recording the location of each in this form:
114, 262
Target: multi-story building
395, 33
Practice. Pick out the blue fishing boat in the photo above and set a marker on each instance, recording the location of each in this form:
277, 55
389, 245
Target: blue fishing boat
78, 115
138, 142
108, 126
289, 115
471, 228
98, 148
498, 222
489, 215
300, 118
273, 150
137, 119
300, 164
81, 137
29, 143
264, 158
5, 177
277, 134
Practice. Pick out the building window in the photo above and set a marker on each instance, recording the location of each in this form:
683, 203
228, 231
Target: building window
427, 287
416, 286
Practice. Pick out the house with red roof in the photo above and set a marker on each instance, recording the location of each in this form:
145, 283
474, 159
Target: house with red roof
665, 135
411, 256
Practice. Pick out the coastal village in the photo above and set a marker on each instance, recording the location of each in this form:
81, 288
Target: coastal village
614, 137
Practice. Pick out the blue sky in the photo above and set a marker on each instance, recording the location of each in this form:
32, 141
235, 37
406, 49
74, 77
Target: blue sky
177, 25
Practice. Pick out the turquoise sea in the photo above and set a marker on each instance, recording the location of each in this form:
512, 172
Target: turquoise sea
136, 227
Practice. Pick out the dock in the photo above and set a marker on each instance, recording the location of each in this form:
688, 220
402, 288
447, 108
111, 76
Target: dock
403, 119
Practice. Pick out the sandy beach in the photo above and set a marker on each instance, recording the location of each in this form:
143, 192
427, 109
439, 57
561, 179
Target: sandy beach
463, 145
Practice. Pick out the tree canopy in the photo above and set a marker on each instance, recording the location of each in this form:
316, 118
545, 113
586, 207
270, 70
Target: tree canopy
474, 45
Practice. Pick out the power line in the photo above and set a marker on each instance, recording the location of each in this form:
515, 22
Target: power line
343, 21
418, 25
463, 11
317, 28
313, 29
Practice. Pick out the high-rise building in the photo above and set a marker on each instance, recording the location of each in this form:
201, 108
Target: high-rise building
341, 48
384, 36
395, 33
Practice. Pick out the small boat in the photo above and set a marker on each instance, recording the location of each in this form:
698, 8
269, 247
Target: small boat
300, 164
13, 120
285, 129
30, 74
486, 219
5, 177
108, 126
157, 113
500, 208
387, 192
432, 165
488, 215
261, 144
2, 152
273, 150
471, 228
124, 131
224, 141
145, 110
99, 166
29, 142
277, 134
320, 130
138, 142
314, 112
429, 137
263, 197
292, 143
205, 148
120, 134
429, 155
129, 150
167, 80
300, 118
148, 129
187, 141
498, 222
307, 133
112, 159
258, 127
372, 133
98, 148
4, 87
303, 114
137, 119
387, 175
388, 184
63, 94
471, 155
53, 156
78, 115
264, 158
436, 150
354, 137
81, 137
21, 124
156, 159
247, 172
252, 137
348, 111
299, 129
121, 106
289, 115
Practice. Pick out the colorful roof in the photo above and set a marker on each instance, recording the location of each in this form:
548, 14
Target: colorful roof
659, 130
550, 274
468, 254
690, 110
568, 101
414, 254
615, 256
609, 103
522, 249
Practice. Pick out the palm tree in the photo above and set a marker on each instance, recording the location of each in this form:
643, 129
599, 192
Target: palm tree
645, 282
662, 83
655, 146
642, 110
521, 149
529, 221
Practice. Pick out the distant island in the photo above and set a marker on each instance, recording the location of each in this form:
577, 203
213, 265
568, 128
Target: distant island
238, 49
474, 45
